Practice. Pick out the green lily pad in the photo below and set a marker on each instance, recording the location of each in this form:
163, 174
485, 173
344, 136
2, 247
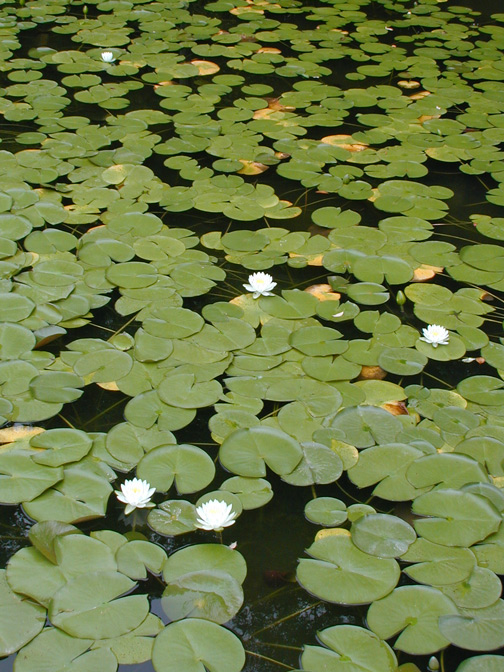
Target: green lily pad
485, 663
81, 495
212, 594
23, 480
456, 518
21, 620
59, 446
135, 557
197, 645
327, 511
43, 536
402, 361
447, 470
53, 649
382, 535
475, 629
481, 589
339, 572
183, 391
135, 646
350, 647
190, 467
437, 564
175, 516
252, 492
86, 606
364, 426
319, 464
414, 611
247, 452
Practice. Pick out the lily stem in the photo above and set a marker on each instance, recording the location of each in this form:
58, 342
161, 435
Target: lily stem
271, 660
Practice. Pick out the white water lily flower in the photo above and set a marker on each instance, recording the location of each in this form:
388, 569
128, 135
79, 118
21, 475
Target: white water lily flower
261, 284
107, 57
215, 515
135, 494
435, 335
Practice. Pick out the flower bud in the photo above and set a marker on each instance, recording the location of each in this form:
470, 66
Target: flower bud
400, 298
433, 664
85, 10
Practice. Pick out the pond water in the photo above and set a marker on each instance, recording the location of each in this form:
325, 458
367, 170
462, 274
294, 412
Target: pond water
251, 252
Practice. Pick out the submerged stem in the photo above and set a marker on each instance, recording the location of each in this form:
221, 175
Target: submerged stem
286, 618
271, 660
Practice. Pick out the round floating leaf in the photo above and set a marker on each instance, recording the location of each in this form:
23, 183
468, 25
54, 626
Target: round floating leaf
56, 387
20, 620
196, 645
368, 293
15, 340
488, 663
402, 361
211, 594
55, 650
131, 274
86, 606
455, 349
103, 366
416, 611
349, 647
383, 535
172, 322
318, 341
252, 492
484, 390
446, 469
247, 452
60, 446
205, 556
386, 465
475, 629
292, 305
456, 518
364, 426
341, 573
190, 467
481, 589
327, 511
183, 391
44, 535
438, 565
14, 307
135, 557
22, 480
82, 495
136, 646
319, 464
175, 516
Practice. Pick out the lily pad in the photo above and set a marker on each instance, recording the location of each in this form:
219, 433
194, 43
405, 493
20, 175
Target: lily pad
247, 452
21, 620
339, 572
350, 647
86, 606
475, 629
190, 467
456, 518
327, 511
196, 645
415, 612
382, 535
53, 649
